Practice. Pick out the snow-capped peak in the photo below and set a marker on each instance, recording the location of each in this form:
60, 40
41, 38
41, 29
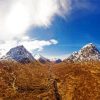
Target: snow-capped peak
20, 54
89, 45
87, 52
90, 48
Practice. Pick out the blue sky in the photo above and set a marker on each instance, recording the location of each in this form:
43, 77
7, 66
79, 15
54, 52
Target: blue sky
53, 28
82, 26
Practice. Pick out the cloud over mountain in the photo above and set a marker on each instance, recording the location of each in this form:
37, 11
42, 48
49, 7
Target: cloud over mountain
17, 16
31, 45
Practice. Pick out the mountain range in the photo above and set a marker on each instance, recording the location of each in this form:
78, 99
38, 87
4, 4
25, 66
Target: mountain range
21, 54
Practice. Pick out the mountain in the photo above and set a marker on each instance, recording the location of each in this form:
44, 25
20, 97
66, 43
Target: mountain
44, 60
56, 60
87, 53
19, 54
41, 59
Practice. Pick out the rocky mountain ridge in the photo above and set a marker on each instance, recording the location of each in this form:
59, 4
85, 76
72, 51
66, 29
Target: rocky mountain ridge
86, 53
21, 54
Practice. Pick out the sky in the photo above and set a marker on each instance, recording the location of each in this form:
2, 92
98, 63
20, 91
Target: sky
53, 28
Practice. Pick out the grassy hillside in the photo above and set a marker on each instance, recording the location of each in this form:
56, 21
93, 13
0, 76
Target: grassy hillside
64, 81
80, 81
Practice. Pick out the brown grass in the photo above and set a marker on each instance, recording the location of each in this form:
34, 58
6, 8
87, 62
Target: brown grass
78, 81
36, 81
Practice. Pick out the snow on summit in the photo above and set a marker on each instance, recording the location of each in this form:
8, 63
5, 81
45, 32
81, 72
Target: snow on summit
19, 54
86, 53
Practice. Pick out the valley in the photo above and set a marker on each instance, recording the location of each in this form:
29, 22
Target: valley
23, 77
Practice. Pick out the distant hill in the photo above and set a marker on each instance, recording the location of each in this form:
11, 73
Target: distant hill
41, 59
56, 60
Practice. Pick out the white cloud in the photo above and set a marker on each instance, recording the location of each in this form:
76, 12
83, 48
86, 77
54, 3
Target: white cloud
31, 45
16, 16
37, 44
53, 41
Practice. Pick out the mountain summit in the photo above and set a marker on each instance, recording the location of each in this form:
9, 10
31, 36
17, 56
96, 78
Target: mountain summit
86, 53
19, 54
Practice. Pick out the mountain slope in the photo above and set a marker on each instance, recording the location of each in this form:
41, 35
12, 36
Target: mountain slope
41, 59
87, 53
19, 54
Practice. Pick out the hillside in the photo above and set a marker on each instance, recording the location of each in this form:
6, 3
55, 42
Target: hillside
78, 81
64, 81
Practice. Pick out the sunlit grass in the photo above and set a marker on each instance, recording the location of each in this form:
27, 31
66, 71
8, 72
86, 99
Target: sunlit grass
35, 81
